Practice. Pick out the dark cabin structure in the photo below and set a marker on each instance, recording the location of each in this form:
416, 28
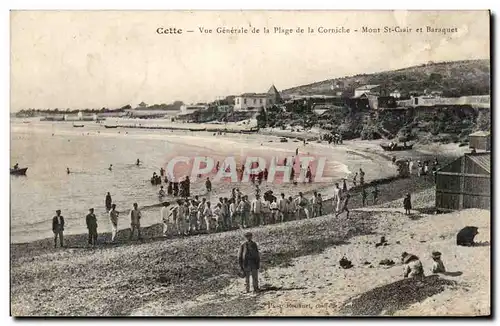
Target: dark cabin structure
465, 183
480, 140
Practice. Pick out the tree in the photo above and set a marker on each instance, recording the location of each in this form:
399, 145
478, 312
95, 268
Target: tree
262, 118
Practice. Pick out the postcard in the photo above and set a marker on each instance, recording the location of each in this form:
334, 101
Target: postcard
250, 163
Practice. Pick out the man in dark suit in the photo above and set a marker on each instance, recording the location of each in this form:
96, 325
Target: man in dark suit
249, 260
92, 227
58, 228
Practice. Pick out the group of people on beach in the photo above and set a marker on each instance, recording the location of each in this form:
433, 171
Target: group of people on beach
335, 138
423, 168
188, 215
192, 215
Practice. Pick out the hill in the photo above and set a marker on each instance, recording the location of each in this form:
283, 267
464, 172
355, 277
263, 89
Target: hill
456, 78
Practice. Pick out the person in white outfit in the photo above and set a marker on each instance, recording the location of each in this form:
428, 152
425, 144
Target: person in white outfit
256, 210
336, 197
201, 217
164, 215
113, 218
207, 214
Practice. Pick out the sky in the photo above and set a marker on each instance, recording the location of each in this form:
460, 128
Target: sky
94, 59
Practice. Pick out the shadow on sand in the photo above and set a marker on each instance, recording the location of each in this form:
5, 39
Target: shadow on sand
395, 296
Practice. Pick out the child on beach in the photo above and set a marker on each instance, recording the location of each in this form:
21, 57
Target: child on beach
412, 266
437, 265
407, 204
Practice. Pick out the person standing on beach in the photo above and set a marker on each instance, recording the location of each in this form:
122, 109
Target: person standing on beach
217, 217
354, 179
345, 205
256, 210
232, 212
336, 197
108, 202
193, 217
110, 167
314, 204
344, 185
364, 195
407, 204
92, 227
181, 217
361, 176
249, 261
375, 194
113, 218
266, 211
291, 209
208, 185
164, 215
410, 166
208, 215
201, 217
302, 203
319, 203
135, 217
225, 213
282, 208
58, 228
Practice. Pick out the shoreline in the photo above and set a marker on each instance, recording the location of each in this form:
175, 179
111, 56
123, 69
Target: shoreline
366, 154
152, 232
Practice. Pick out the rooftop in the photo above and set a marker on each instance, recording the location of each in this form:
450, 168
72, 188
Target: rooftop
483, 160
366, 87
480, 133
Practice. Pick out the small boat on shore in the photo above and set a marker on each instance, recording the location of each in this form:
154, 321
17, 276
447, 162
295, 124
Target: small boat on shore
249, 131
78, 126
107, 126
18, 171
393, 148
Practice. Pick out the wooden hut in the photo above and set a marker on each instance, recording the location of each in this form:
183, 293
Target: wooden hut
480, 140
464, 183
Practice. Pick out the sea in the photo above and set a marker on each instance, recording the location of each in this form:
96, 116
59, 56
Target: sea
49, 148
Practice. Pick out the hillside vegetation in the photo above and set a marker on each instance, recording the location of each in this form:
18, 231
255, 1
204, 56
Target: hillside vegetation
443, 123
457, 78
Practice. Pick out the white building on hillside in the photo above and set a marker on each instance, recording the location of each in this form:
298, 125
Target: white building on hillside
257, 100
395, 93
366, 89
185, 108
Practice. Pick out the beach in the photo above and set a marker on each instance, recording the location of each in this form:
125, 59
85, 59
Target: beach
300, 273
160, 276
47, 149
